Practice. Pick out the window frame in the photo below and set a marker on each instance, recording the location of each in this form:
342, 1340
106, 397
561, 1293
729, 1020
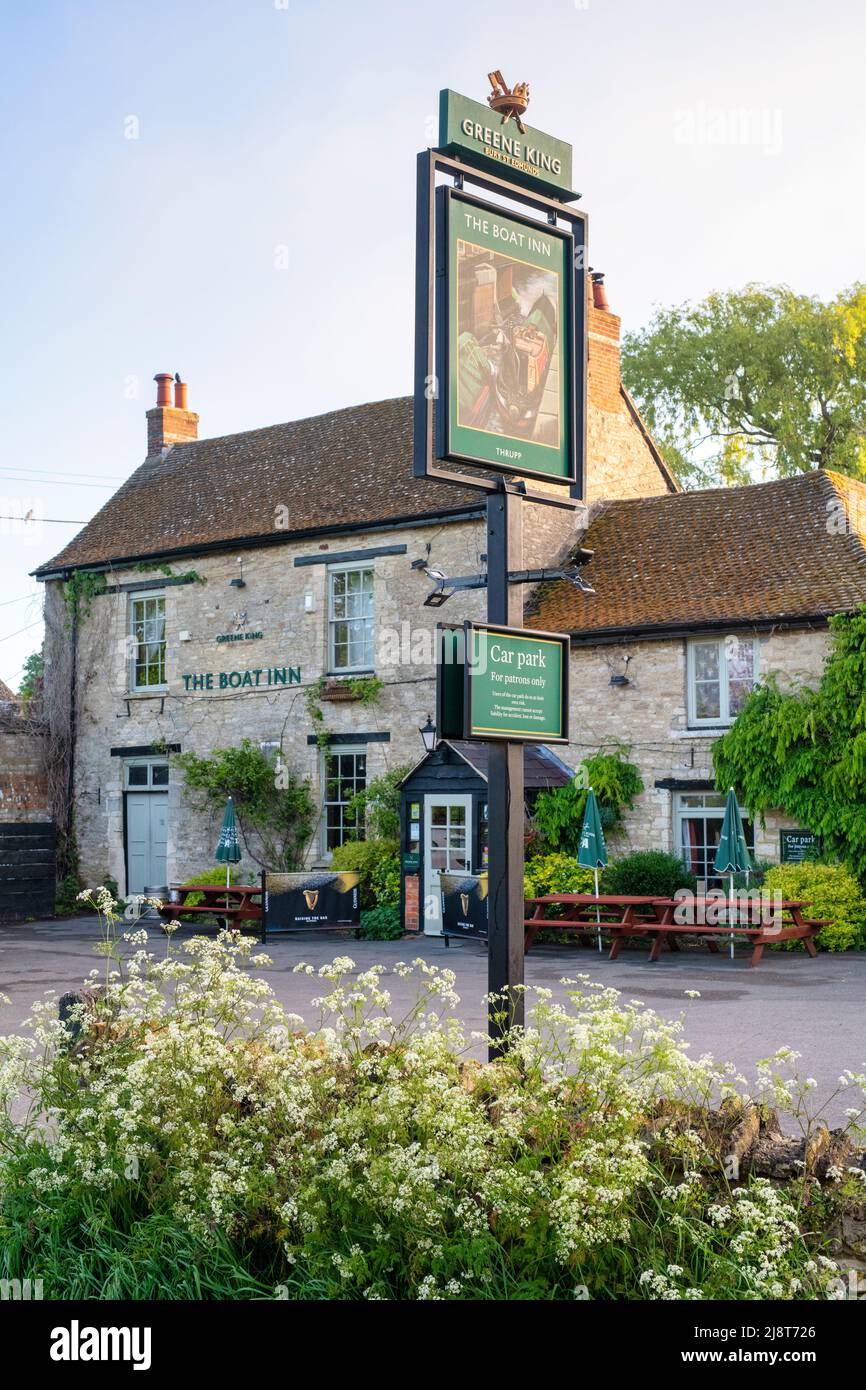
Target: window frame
346, 567
149, 763
704, 812
141, 597
725, 719
337, 750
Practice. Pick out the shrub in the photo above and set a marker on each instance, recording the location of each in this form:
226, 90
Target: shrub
368, 1158
382, 923
647, 873
557, 816
831, 891
378, 863
556, 873
66, 902
215, 875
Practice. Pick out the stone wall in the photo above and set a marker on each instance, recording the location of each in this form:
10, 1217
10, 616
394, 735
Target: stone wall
649, 716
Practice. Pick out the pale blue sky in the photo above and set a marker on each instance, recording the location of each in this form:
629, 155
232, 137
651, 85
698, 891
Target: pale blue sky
714, 144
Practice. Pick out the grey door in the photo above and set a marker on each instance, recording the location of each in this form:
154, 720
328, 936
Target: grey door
146, 820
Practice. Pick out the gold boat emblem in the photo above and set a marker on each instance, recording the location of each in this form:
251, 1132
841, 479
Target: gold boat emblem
311, 896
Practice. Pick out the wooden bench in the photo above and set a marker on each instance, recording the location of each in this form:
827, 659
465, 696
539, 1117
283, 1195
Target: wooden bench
233, 905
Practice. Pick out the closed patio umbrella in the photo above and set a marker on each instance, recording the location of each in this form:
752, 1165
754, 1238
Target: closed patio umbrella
592, 853
228, 850
732, 855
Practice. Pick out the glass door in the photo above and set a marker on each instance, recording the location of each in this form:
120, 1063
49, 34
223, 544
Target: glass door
447, 841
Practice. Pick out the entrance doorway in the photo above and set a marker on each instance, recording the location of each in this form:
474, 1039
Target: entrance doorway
146, 782
698, 819
447, 849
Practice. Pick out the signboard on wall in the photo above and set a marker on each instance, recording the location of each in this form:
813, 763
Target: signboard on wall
306, 901
464, 905
798, 846
505, 340
516, 684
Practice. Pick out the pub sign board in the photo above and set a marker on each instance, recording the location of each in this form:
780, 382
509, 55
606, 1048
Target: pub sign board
522, 155
798, 846
515, 684
505, 340
464, 905
307, 901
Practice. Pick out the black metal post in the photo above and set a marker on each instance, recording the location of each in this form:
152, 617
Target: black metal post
505, 778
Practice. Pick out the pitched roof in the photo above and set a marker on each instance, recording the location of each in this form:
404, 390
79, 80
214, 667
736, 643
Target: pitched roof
6, 693
345, 468
790, 549
541, 766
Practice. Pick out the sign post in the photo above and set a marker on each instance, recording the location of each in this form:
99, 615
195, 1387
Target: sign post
505, 784
500, 406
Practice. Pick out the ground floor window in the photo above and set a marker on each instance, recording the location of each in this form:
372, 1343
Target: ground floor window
698, 818
345, 777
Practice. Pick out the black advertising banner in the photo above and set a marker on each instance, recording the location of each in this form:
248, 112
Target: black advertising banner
504, 334
305, 901
464, 905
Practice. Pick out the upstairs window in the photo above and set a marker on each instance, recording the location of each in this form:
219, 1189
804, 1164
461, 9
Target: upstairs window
350, 618
148, 641
722, 672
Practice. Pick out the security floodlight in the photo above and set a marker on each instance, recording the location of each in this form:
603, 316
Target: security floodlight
438, 596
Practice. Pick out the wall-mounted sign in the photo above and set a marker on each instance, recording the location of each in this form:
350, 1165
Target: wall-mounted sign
239, 636
305, 901
516, 684
464, 904
798, 846
504, 334
257, 679
514, 151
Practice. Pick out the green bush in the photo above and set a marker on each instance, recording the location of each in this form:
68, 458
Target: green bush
831, 891
208, 876
556, 873
557, 817
382, 923
647, 873
378, 863
66, 897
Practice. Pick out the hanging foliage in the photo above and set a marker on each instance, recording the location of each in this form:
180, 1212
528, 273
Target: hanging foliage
558, 813
804, 752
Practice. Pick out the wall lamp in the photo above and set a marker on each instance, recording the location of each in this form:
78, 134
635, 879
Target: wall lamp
428, 735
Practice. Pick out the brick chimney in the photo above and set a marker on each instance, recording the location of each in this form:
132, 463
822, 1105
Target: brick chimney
166, 423
603, 372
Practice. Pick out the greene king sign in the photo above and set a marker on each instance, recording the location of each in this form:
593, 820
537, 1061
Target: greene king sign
529, 157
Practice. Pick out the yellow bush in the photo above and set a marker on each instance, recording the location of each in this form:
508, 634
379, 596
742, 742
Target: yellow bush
831, 891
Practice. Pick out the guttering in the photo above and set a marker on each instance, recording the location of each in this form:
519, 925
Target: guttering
603, 636
410, 523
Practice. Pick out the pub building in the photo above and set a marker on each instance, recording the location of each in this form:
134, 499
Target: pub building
247, 575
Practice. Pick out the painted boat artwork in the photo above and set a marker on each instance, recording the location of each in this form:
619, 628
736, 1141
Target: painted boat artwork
505, 351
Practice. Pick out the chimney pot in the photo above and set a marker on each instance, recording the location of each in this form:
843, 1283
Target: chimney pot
180, 395
599, 293
163, 388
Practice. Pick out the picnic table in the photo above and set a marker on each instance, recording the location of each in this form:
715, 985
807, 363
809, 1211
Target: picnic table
241, 902
623, 915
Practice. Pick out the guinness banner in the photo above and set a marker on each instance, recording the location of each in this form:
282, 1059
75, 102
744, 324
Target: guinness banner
464, 905
307, 901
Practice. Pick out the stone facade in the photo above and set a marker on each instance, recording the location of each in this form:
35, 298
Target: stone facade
649, 717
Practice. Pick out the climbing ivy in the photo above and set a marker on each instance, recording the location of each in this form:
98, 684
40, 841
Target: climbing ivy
188, 576
558, 814
79, 591
365, 689
804, 751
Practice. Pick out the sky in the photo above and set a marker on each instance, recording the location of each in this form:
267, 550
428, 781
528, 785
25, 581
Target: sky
225, 189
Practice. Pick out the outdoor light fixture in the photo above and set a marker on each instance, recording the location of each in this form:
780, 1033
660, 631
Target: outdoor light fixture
240, 582
620, 680
428, 735
582, 584
438, 596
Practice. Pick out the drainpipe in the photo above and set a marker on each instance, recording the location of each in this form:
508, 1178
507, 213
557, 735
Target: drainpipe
73, 717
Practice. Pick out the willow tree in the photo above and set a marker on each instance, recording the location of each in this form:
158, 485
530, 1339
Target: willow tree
754, 383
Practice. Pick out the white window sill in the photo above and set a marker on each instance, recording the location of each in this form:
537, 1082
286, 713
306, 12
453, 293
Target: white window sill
149, 693
705, 731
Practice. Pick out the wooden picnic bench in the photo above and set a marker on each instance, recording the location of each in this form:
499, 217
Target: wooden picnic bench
622, 916
234, 905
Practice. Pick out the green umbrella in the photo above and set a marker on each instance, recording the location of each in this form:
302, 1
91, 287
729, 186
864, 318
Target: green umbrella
732, 854
228, 849
592, 853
